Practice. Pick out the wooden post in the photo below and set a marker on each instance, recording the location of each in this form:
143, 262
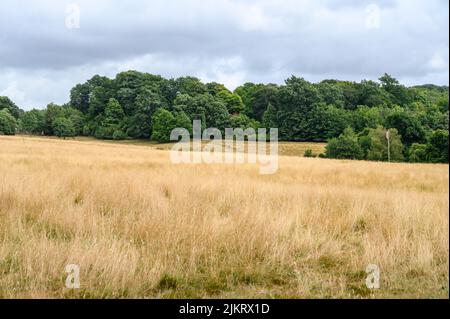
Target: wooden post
388, 137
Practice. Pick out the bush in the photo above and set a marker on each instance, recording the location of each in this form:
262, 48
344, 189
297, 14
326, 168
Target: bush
111, 121
309, 153
244, 122
417, 153
105, 132
345, 146
63, 127
7, 123
407, 125
183, 121
437, 147
32, 122
87, 130
119, 135
378, 149
13, 109
163, 122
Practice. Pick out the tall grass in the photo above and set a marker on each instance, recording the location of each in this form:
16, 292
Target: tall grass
139, 226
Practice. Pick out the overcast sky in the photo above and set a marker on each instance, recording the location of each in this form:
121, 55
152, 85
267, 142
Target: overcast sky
44, 52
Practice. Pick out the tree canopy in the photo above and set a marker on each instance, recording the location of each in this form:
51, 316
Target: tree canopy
7, 123
136, 105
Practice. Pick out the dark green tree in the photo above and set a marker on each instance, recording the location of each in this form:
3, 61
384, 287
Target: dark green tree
264, 95
52, 112
214, 88
7, 123
204, 107
366, 117
326, 121
233, 102
6, 103
378, 150
270, 117
295, 101
190, 85
63, 127
112, 120
139, 124
77, 118
244, 122
417, 153
163, 122
183, 121
99, 97
247, 92
346, 146
437, 147
32, 122
371, 94
331, 94
407, 125
400, 95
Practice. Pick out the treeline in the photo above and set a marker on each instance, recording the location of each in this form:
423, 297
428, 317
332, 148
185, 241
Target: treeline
353, 117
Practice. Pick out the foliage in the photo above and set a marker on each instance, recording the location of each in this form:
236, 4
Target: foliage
270, 117
52, 112
163, 123
111, 122
244, 122
119, 135
32, 122
417, 153
437, 147
308, 153
295, 101
378, 147
7, 123
13, 109
183, 121
76, 117
366, 117
233, 102
63, 127
407, 125
125, 107
346, 146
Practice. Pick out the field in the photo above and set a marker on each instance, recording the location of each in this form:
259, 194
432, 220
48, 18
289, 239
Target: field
140, 226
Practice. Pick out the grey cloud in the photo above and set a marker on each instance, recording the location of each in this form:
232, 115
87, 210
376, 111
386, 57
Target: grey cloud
223, 40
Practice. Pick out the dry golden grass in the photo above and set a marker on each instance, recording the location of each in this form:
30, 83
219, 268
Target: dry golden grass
139, 226
284, 148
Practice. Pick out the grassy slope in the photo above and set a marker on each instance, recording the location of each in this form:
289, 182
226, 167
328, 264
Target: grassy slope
140, 226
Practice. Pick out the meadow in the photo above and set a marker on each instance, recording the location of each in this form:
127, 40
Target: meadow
141, 227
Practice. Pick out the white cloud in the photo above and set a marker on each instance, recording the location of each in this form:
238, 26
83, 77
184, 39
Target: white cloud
439, 61
13, 91
228, 41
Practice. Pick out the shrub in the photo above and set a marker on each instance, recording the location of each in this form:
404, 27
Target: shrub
105, 132
345, 146
437, 147
183, 121
309, 153
7, 123
63, 127
112, 120
417, 153
407, 125
163, 122
119, 135
378, 150
32, 122
167, 282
